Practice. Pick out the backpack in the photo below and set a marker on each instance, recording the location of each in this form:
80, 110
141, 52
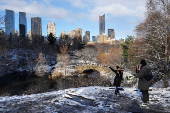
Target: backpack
149, 75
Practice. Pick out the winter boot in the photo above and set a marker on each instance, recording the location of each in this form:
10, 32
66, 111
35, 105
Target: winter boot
115, 92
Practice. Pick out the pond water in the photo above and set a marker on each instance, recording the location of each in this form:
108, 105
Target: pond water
14, 85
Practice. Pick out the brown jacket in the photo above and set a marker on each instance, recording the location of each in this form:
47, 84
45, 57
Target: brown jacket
142, 83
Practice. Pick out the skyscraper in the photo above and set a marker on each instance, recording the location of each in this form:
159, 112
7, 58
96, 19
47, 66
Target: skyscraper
36, 29
22, 24
29, 35
88, 35
101, 24
73, 34
51, 28
94, 38
15, 33
9, 22
69, 34
79, 33
111, 34
1, 32
62, 34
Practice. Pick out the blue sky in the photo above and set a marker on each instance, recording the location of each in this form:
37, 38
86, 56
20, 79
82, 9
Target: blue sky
121, 15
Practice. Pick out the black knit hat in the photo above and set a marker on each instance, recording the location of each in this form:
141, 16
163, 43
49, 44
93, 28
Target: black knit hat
143, 62
117, 67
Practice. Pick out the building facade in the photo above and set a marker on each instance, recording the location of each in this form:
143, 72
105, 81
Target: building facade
102, 38
62, 34
15, 33
79, 33
111, 34
121, 40
22, 24
69, 34
101, 24
51, 28
94, 38
29, 35
9, 22
1, 32
88, 35
85, 39
36, 28
73, 34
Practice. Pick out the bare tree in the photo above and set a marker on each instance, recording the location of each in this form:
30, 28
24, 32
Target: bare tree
2, 21
114, 57
41, 66
64, 57
87, 54
154, 30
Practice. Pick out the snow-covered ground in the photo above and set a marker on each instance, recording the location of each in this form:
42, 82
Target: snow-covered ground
92, 99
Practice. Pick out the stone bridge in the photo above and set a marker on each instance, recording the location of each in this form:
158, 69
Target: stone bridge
99, 68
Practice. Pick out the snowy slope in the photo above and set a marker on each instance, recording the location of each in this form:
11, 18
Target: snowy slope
87, 100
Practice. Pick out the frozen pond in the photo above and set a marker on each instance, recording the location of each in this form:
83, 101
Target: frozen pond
34, 85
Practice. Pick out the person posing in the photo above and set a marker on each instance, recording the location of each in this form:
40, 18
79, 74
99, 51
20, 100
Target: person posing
143, 85
118, 78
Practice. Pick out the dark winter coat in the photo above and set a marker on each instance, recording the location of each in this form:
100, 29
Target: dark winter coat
142, 83
118, 78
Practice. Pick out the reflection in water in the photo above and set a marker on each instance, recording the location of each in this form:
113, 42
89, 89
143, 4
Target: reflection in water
36, 85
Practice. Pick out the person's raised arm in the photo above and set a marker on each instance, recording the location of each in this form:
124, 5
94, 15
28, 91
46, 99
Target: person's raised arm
112, 69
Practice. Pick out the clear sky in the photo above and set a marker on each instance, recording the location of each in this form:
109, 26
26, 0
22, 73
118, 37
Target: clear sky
121, 15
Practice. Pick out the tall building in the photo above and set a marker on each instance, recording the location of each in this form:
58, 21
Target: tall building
15, 33
9, 22
102, 38
62, 34
29, 35
1, 32
69, 34
79, 33
101, 24
51, 28
22, 24
111, 34
36, 28
88, 35
94, 38
85, 39
121, 40
73, 34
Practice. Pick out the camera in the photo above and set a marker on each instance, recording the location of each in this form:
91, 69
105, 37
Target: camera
138, 66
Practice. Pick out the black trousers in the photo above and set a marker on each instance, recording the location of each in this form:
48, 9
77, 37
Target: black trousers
145, 96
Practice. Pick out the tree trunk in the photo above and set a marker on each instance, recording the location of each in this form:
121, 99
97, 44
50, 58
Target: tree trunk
166, 74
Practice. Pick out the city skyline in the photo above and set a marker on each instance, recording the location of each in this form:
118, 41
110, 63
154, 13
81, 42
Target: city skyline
122, 16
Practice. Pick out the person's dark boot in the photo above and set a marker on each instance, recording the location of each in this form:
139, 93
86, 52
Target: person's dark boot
115, 93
